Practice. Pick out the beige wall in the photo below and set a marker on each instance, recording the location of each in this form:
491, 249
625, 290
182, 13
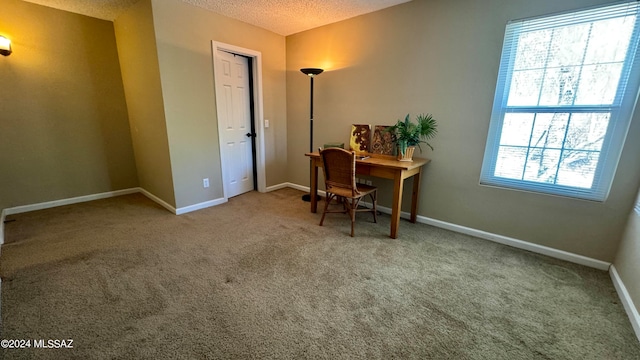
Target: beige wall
141, 76
442, 57
63, 117
627, 261
184, 34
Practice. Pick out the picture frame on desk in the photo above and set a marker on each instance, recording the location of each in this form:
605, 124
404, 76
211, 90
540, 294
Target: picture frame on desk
383, 141
360, 139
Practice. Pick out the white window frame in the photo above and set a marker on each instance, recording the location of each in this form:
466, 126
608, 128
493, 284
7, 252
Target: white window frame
621, 110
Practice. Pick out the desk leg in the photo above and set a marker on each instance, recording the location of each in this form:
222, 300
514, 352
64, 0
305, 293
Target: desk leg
414, 196
398, 183
314, 186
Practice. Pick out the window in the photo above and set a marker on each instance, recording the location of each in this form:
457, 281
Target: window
565, 94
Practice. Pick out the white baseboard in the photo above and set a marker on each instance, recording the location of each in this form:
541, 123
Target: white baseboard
157, 200
69, 201
627, 302
540, 249
2, 217
291, 185
154, 198
294, 186
79, 199
104, 195
61, 202
520, 244
184, 209
202, 205
505, 240
281, 186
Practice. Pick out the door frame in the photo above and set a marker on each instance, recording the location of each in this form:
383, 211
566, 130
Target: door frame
258, 119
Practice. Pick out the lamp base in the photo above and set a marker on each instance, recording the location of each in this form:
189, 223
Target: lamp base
307, 197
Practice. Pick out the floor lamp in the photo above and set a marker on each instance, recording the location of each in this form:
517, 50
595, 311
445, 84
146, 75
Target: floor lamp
311, 72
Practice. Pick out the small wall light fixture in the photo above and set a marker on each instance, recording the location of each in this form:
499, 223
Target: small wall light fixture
5, 46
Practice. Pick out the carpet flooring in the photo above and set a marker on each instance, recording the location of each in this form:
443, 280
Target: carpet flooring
257, 278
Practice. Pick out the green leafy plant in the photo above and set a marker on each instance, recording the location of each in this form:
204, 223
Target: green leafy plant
408, 133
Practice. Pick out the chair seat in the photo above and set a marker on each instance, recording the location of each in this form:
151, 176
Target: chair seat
363, 189
366, 188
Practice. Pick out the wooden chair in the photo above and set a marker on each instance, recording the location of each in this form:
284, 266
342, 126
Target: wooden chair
339, 168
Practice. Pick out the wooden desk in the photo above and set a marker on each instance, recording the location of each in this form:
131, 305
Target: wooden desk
381, 166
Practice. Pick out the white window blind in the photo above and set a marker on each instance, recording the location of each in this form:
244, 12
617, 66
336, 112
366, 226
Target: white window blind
637, 207
565, 95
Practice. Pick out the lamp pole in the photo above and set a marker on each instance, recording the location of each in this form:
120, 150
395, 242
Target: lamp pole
311, 72
311, 118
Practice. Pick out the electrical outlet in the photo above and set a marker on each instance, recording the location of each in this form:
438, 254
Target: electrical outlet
369, 182
205, 182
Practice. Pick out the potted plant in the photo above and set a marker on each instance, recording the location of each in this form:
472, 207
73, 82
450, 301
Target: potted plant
408, 135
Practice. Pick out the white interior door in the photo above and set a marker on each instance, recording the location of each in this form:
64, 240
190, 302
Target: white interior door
233, 101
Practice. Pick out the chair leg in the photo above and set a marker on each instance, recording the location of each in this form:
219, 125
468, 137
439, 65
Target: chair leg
374, 200
352, 212
328, 199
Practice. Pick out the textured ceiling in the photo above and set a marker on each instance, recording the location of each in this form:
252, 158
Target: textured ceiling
101, 9
284, 17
